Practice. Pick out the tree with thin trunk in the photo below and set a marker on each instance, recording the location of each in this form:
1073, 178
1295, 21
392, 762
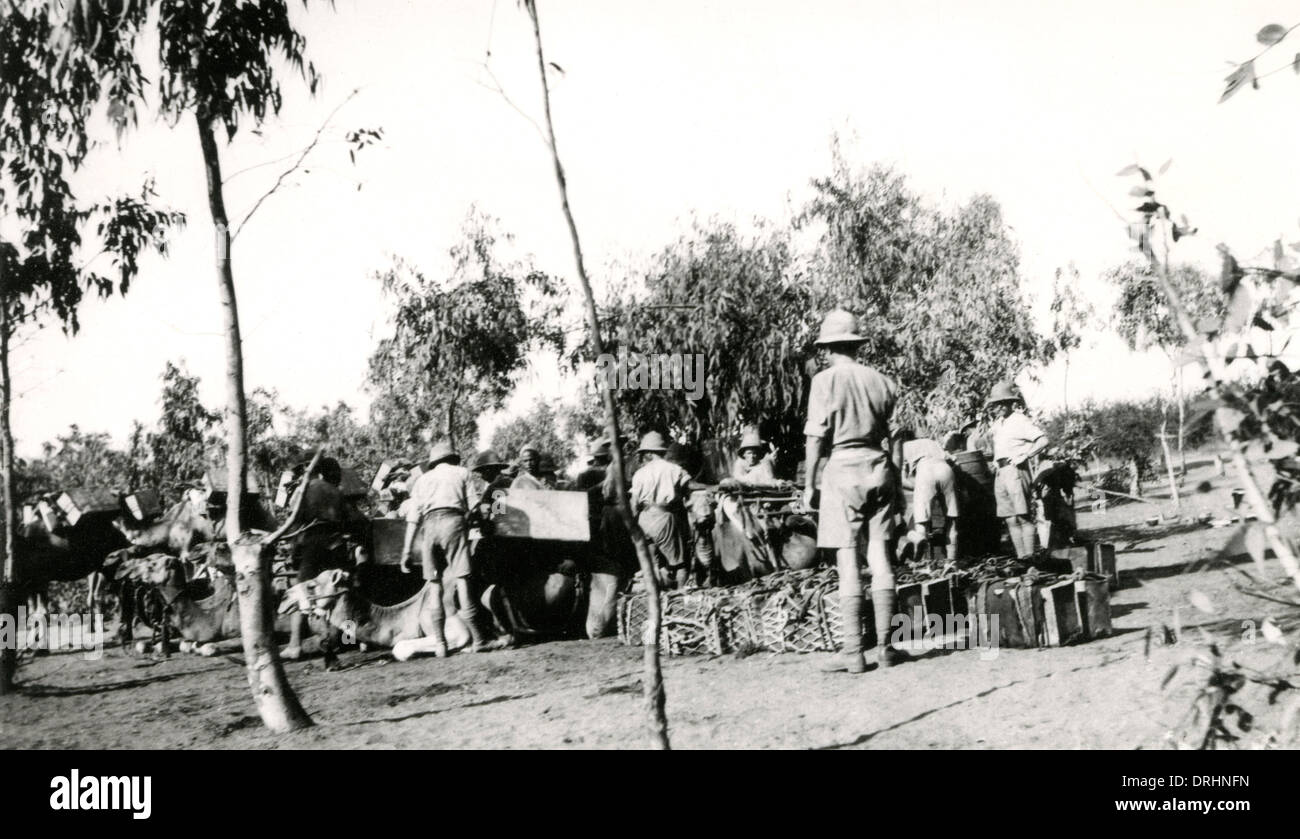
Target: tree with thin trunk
1250, 416
1144, 318
217, 66
1072, 314
49, 85
457, 343
653, 674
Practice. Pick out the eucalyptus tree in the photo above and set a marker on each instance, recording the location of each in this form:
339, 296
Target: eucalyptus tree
54, 242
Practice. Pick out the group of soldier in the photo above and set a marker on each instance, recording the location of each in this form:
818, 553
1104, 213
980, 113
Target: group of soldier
855, 468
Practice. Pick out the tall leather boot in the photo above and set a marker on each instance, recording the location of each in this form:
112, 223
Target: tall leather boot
884, 602
472, 615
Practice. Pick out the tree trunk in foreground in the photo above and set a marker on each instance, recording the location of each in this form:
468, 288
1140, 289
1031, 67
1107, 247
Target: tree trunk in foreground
8, 585
276, 702
653, 674
272, 694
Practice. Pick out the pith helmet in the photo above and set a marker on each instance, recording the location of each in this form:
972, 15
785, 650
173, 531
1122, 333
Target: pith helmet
839, 327
751, 440
442, 451
487, 459
1003, 392
600, 448
653, 442
530, 447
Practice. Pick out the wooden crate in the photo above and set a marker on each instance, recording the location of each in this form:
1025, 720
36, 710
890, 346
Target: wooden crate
79, 502
1015, 606
387, 538
216, 479
1062, 622
1076, 610
49, 514
143, 504
1091, 558
1093, 597
553, 515
284, 489
381, 476
939, 597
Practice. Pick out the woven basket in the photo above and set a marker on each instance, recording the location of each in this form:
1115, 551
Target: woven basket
783, 612
794, 624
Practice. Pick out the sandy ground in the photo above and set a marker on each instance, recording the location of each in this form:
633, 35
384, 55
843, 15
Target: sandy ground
1105, 694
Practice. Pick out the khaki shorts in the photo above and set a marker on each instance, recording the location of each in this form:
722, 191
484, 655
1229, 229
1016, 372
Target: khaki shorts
668, 534
444, 548
1011, 487
941, 487
859, 486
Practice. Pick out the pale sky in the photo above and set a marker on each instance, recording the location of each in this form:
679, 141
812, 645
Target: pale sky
666, 110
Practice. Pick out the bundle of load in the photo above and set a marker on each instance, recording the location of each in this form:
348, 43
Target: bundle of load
786, 611
350, 485
1052, 600
392, 484
760, 530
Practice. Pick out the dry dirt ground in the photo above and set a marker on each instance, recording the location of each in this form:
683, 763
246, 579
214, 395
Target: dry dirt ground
1105, 694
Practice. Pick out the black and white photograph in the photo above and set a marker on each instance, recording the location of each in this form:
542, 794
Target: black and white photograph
599, 375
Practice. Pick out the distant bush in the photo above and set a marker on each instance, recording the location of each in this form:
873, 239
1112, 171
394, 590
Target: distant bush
1122, 432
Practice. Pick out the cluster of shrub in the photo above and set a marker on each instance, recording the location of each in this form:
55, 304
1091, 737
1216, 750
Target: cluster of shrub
1117, 444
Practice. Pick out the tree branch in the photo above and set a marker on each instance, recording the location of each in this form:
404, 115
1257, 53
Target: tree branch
1218, 375
296, 164
496, 87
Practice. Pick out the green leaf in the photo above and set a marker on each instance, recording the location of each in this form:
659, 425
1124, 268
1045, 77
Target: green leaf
1140, 192
1164, 167
1271, 34
1131, 169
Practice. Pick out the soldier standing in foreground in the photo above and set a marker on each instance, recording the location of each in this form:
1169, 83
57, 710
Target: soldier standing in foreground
850, 406
440, 502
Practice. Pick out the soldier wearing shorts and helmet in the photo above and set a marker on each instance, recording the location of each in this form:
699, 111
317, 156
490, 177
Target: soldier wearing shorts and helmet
1015, 441
658, 496
849, 407
440, 502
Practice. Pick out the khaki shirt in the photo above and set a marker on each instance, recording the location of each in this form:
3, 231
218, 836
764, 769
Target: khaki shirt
445, 486
1013, 437
851, 404
660, 483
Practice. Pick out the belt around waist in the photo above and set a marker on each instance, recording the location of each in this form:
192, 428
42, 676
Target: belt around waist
857, 447
446, 511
